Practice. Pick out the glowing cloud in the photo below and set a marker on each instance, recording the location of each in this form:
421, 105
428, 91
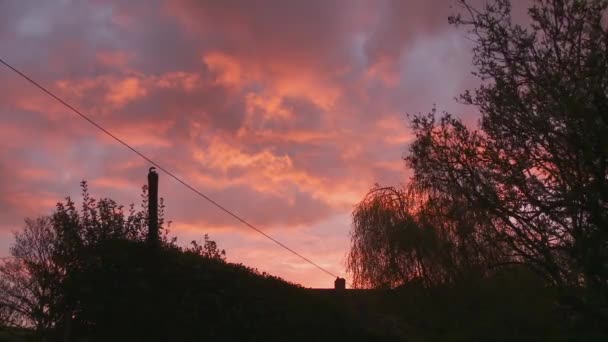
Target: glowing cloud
284, 111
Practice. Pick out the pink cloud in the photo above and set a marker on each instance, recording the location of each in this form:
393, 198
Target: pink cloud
124, 91
285, 112
117, 59
227, 69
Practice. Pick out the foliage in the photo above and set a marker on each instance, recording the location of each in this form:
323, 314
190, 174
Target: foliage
403, 235
538, 163
528, 186
171, 294
89, 273
208, 249
29, 283
41, 286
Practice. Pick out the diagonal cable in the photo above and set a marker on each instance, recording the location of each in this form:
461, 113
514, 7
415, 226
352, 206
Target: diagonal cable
170, 174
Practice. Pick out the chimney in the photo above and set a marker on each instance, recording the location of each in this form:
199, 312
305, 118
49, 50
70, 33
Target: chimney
152, 206
340, 284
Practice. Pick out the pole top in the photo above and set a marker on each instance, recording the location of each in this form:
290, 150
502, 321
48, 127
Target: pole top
152, 170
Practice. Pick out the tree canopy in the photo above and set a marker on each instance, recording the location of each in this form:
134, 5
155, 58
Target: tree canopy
88, 273
44, 285
528, 185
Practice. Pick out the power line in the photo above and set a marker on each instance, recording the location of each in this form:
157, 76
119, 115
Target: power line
162, 168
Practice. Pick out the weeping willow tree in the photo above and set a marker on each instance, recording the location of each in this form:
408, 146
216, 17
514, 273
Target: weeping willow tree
409, 234
382, 252
529, 184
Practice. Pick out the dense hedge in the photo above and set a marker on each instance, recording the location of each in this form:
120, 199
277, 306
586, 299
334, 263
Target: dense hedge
142, 293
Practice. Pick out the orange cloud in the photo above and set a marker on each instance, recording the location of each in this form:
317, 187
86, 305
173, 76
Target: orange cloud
270, 173
297, 136
384, 70
285, 122
31, 204
316, 90
35, 174
112, 183
394, 130
227, 69
271, 106
125, 90
178, 80
282, 79
152, 134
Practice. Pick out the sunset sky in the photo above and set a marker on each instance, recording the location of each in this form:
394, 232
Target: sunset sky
286, 112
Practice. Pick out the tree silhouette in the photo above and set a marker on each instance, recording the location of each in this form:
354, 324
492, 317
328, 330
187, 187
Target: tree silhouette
529, 185
42, 285
29, 283
88, 273
208, 249
538, 163
404, 235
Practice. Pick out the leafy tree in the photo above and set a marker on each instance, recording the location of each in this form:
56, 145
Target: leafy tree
45, 282
532, 178
110, 283
537, 165
29, 281
403, 235
208, 249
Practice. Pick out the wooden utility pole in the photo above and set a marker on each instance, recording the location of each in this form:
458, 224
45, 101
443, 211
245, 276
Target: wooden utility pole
153, 206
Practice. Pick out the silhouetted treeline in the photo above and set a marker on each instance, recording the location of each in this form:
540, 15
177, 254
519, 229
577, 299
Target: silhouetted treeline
137, 292
37, 284
89, 274
501, 232
527, 189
